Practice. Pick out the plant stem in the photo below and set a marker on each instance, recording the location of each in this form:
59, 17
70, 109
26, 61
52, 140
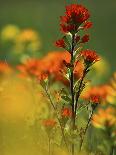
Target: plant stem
79, 90
61, 127
81, 144
72, 88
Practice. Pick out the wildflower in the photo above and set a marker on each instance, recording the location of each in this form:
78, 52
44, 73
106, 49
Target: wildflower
30, 67
95, 99
85, 38
87, 25
77, 38
90, 56
74, 16
66, 112
5, 68
60, 43
101, 92
49, 123
104, 118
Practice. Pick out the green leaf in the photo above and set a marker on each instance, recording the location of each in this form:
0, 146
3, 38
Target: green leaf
66, 98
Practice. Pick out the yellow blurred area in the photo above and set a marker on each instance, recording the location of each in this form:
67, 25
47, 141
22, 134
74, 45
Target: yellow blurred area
19, 99
9, 32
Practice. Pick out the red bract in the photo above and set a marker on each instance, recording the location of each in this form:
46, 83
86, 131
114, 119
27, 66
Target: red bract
95, 99
90, 56
66, 112
85, 38
60, 43
75, 15
49, 123
77, 38
87, 25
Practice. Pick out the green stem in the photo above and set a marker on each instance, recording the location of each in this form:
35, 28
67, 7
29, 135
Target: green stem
87, 126
79, 90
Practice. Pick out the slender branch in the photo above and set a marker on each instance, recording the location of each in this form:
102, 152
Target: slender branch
62, 130
79, 90
87, 126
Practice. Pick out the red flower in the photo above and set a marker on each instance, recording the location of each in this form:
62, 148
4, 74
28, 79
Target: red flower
87, 25
60, 43
77, 38
95, 99
75, 15
90, 56
85, 38
66, 112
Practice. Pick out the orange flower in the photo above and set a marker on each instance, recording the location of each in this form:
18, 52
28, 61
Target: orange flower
49, 123
66, 112
5, 67
101, 92
52, 64
30, 67
104, 118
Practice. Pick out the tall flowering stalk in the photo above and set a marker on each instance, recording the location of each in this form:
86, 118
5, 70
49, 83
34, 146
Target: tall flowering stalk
76, 20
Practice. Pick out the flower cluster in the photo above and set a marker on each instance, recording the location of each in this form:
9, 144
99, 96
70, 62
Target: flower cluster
75, 15
90, 56
53, 65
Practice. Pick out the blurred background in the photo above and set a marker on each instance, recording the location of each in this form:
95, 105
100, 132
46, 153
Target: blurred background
29, 28
43, 16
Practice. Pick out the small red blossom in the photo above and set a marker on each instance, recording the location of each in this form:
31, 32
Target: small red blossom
87, 25
66, 112
74, 16
77, 38
95, 99
49, 123
85, 38
60, 43
90, 56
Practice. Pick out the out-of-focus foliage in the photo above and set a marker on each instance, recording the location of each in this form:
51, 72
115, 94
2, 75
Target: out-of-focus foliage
18, 44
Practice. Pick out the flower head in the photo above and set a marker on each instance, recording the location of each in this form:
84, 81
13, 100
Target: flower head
85, 38
49, 123
60, 43
66, 112
87, 25
90, 56
74, 16
104, 118
95, 99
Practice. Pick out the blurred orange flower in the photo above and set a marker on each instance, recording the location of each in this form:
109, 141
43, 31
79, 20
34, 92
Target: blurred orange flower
101, 91
49, 123
51, 64
5, 68
104, 118
66, 112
